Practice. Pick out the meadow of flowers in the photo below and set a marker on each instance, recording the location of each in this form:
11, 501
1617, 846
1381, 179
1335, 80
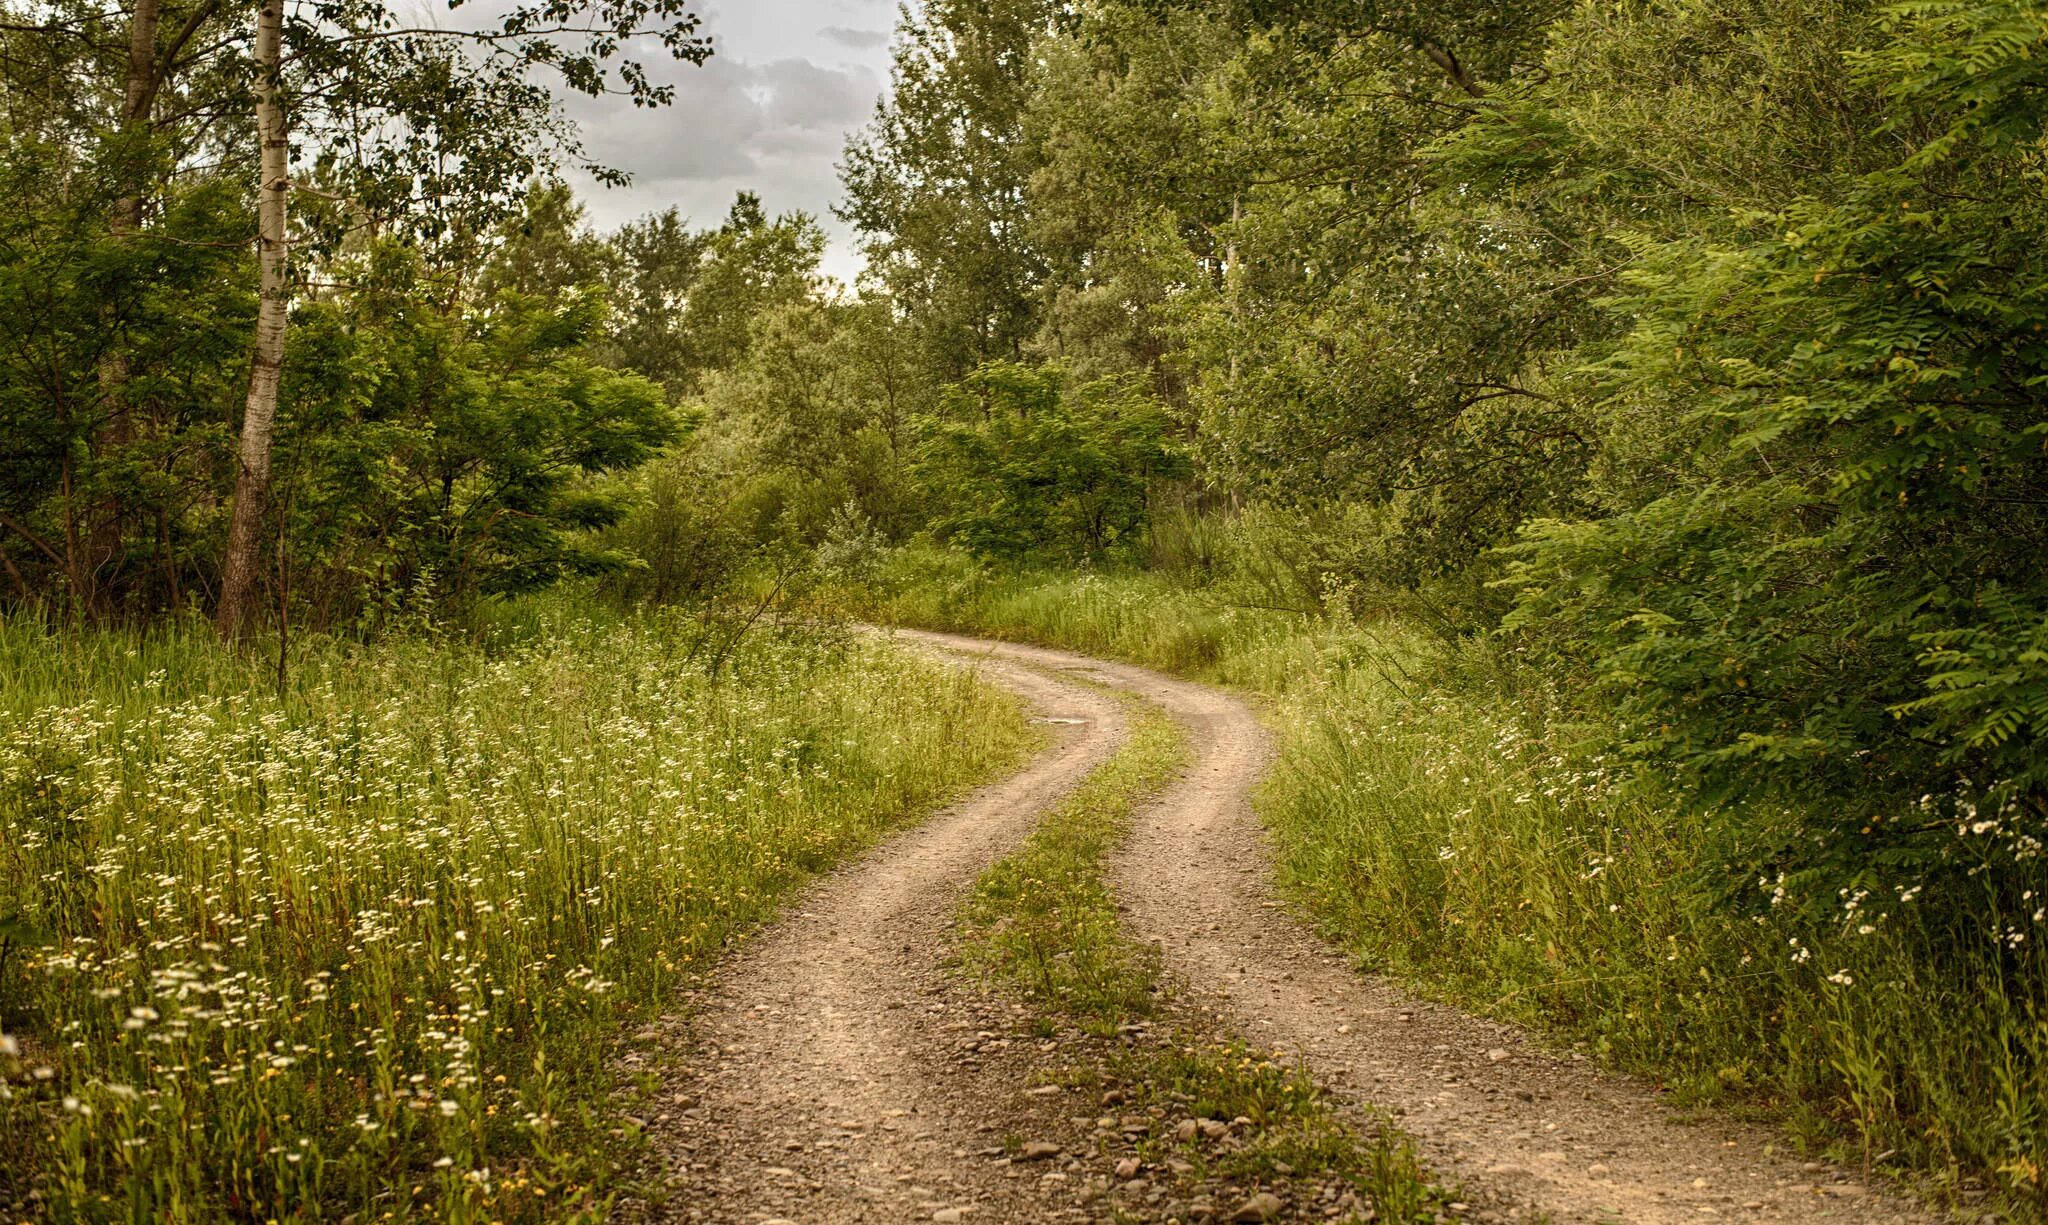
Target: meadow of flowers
363, 951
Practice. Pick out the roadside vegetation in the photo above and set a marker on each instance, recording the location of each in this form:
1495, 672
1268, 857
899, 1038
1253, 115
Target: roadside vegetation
1042, 922
1614, 436
1444, 812
363, 947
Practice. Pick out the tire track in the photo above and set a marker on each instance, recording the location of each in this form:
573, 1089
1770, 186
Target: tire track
1489, 1109
815, 1091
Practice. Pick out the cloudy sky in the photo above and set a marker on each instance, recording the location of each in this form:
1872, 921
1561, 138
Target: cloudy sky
768, 112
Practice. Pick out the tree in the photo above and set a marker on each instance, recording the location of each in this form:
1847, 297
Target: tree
91, 515
418, 94
938, 180
442, 456
546, 249
818, 408
1817, 573
751, 266
1019, 465
273, 302
658, 260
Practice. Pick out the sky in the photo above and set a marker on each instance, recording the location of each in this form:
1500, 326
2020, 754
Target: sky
768, 112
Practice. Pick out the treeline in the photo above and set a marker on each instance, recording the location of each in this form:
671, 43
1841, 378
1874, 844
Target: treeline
1693, 350
263, 347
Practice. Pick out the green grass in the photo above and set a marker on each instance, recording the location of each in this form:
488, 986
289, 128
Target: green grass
364, 949
1291, 1128
1440, 814
1043, 923
1043, 917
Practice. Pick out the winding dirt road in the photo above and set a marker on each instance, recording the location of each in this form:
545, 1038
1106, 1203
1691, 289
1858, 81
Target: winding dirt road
814, 1093
818, 1096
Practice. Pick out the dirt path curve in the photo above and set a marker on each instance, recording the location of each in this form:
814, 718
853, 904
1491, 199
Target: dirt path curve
814, 1093
1490, 1110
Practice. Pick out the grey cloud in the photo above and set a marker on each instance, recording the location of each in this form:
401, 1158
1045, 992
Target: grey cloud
769, 112
728, 116
806, 95
859, 40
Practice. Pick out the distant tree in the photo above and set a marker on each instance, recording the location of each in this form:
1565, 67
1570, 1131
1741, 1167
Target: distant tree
751, 266
1018, 465
546, 249
937, 181
657, 259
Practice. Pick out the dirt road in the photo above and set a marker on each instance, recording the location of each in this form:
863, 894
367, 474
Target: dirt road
819, 1095
1487, 1107
813, 1092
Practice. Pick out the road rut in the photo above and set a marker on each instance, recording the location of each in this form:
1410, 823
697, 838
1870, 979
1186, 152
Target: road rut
1489, 1108
813, 1093
818, 1088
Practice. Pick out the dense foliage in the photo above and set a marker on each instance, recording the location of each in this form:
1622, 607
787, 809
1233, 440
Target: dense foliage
1690, 354
1702, 339
192, 185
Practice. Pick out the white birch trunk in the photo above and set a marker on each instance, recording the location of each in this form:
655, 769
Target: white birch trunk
259, 413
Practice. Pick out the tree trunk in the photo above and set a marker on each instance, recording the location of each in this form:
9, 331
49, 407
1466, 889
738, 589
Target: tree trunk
135, 105
1231, 280
117, 428
259, 412
126, 220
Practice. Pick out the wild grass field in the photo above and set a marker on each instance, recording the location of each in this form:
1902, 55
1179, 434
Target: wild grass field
359, 949
1438, 814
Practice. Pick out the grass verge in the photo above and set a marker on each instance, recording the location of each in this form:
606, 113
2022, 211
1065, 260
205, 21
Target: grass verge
1217, 1121
360, 949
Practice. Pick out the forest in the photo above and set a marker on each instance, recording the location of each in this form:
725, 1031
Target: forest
1605, 441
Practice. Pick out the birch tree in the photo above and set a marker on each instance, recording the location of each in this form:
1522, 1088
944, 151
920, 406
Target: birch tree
420, 116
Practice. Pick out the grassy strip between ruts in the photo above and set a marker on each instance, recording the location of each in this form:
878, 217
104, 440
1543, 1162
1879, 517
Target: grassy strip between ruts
1203, 1113
360, 950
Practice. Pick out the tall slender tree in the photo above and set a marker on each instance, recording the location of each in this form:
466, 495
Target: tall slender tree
266, 360
449, 116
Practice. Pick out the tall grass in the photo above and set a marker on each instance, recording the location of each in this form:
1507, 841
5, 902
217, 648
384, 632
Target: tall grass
361, 949
1439, 812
